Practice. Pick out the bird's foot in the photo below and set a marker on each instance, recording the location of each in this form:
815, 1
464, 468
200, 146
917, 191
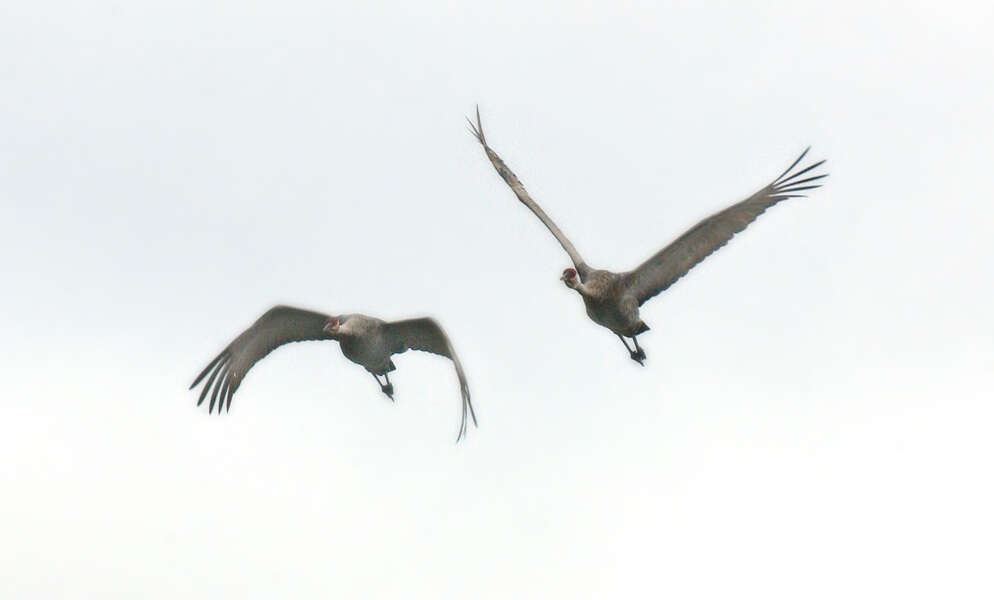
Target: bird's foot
639, 356
388, 390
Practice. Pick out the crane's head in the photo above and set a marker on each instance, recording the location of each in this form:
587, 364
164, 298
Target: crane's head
331, 325
570, 278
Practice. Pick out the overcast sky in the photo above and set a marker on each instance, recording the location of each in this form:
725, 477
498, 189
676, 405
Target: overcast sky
814, 418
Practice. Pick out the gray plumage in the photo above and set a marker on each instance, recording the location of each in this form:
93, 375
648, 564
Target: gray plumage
613, 299
364, 340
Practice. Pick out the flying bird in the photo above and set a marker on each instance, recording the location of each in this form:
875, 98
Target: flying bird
366, 341
613, 299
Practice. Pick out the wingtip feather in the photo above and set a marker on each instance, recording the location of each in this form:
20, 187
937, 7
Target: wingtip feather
479, 125
801, 189
793, 164
207, 369
210, 381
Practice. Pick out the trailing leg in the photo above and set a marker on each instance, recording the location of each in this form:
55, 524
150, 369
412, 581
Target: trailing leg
638, 356
639, 353
386, 388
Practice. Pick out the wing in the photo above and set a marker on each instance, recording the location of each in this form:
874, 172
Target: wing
427, 335
522, 194
280, 325
674, 261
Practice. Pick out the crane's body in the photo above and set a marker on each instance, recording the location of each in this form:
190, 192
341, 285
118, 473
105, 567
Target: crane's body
613, 299
608, 304
364, 340
366, 344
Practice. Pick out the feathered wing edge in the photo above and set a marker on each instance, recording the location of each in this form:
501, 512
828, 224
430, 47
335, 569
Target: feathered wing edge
278, 326
467, 402
426, 335
519, 190
674, 261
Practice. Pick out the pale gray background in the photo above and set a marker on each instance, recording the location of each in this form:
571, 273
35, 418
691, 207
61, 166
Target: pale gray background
815, 417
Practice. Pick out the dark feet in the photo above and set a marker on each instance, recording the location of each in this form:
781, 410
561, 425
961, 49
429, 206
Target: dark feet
637, 354
388, 390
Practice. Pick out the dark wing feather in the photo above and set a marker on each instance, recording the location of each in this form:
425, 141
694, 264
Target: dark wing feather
427, 335
522, 194
674, 261
279, 325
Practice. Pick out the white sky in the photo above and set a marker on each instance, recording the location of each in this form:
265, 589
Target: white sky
814, 420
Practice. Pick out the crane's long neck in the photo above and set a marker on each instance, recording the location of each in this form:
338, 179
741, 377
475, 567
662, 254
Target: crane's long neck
587, 291
581, 288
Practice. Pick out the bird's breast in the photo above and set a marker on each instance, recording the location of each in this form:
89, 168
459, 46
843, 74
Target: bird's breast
612, 312
369, 351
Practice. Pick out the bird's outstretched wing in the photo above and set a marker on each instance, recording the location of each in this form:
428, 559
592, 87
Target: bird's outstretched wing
674, 261
522, 194
427, 335
279, 325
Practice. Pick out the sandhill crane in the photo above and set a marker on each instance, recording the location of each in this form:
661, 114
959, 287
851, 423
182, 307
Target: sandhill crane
366, 341
613, 299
